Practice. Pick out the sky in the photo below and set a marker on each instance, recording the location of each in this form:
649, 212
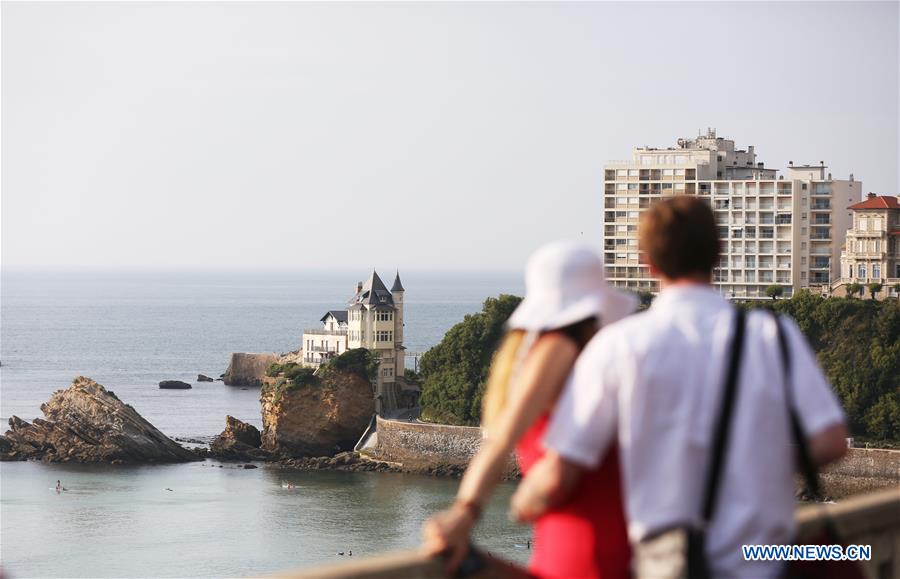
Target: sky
423, 136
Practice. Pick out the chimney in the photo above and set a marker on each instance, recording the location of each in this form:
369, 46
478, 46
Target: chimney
358, 286
790, 163
851, 177
871, 195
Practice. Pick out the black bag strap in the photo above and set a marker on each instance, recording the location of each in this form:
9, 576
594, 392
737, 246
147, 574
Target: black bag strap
722, 428
807, 466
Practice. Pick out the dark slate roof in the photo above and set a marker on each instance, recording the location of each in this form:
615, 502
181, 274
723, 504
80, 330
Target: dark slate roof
339, 315
373, 293
397, 287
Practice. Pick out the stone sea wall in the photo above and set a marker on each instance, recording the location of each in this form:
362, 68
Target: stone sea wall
862, 470
422, 447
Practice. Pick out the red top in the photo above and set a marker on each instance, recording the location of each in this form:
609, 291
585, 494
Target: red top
586, 536
877, 202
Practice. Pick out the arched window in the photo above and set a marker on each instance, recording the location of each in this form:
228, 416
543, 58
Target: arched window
861, 271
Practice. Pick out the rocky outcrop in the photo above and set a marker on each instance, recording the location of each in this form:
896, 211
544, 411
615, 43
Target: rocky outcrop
204, 378
239, 441
247, 369
87, 423
174, 385
316, 419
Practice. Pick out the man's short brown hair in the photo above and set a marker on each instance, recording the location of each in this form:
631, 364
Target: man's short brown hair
679, 237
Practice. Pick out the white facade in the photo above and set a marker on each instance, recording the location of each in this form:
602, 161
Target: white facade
774, 229
871, 253
322, 344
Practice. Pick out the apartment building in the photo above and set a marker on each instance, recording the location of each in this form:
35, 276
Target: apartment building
775, 229
871, 253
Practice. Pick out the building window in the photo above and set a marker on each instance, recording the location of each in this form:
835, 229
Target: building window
876, 271
861, 271
385, 316
862, 223
384, 336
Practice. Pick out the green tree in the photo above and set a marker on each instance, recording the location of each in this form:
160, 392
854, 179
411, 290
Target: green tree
858, 345
852, 289
360, 361
874, 288
454, 372
774, 291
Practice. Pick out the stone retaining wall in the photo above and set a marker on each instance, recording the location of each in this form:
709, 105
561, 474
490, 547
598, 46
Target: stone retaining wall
426, 445
862, 470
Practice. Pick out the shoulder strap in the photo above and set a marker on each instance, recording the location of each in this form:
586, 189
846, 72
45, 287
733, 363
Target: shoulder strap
807, 467
723, 423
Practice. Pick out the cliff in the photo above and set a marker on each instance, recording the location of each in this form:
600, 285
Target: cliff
87, 423
248, 369
315, 415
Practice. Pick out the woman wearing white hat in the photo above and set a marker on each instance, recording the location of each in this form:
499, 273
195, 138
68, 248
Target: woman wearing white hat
567, 300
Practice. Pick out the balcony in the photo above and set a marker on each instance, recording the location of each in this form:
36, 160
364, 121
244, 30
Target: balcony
323, 332
783, 220
821, 205
822, 220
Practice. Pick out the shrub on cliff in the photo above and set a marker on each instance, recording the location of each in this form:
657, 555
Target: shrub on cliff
858, 345
359, 361
455, 371
274, 369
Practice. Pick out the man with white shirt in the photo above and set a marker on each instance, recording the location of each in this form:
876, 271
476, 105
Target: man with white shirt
652, 384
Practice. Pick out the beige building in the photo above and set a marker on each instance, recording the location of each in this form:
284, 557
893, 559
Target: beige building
373, 320
775, 229
871, 253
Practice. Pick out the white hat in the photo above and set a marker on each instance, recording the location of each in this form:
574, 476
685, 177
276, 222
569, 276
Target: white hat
564, 284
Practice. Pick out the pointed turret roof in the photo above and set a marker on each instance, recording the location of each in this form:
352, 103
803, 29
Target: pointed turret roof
373, 293
397, 287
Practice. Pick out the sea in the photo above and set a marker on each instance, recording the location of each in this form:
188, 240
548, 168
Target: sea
129, 329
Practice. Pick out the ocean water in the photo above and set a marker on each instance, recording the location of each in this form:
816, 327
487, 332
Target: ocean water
129, 330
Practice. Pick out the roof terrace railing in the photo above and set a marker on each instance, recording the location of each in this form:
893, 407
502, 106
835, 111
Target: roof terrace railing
324, 332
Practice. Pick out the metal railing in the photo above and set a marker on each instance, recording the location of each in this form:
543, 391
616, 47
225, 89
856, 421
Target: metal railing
324, 332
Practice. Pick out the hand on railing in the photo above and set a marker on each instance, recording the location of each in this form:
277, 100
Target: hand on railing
448, 533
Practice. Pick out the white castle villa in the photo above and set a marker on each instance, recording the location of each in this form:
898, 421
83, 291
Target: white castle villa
373, 319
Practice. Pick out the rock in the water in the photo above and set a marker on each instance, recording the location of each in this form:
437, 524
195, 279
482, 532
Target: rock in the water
239, 441
174, 385
247, 369
204, 378
313, 419
87, 423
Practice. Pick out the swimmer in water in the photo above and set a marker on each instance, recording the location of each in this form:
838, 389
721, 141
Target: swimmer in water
58, 486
